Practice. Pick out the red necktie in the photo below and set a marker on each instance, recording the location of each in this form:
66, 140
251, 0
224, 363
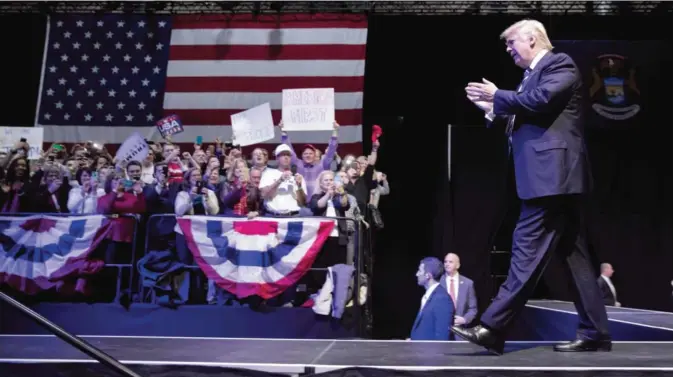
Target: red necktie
452, 291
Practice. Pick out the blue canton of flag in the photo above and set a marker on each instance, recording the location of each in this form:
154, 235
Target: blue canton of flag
107, 70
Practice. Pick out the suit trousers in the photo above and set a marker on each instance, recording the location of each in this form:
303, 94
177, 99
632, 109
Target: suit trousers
546, 226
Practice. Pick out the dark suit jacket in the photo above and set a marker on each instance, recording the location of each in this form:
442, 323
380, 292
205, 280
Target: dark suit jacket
550, 157
466, 306
608, 298
433, 321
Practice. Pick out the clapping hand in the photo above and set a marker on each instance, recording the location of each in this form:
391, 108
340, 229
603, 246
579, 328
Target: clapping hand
55, 185
483, 91
137, 187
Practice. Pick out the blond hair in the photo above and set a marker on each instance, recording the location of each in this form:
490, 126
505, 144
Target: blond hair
245, 172
318, 188
529, 28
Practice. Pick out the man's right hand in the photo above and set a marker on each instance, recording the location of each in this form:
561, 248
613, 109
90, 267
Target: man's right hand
486, 107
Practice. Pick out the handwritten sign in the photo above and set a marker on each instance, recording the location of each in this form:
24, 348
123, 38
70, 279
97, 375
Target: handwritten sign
308, 109
134, 148
253, 126
34, 136
170, 125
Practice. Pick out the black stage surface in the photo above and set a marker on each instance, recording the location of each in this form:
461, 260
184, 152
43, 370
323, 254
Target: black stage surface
46, 355
20, 355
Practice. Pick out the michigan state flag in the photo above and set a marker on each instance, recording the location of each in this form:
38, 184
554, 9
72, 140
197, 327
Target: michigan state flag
627, 81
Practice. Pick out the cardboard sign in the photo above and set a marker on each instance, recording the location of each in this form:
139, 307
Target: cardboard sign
134, 148
170, 125
34, 136
253, 126
308, 109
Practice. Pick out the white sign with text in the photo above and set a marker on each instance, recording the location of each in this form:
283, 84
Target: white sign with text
252, 126
34, 136
134, 148
308, 109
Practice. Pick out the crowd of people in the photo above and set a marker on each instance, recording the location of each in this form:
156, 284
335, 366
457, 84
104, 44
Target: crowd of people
212, 179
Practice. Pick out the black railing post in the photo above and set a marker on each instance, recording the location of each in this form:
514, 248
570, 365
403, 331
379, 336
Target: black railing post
74, 341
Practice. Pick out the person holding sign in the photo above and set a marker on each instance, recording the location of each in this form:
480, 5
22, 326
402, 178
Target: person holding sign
309, 166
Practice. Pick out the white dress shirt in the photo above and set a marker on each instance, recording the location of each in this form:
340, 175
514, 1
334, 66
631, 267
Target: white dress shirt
612, 287
427, 294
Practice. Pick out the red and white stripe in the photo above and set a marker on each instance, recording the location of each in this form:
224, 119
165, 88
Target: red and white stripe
222, 65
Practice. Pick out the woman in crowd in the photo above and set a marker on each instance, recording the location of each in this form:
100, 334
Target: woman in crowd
330, 200
122, 197
83, 197
213, 174
240, 197
51, 196
194, 199
13, 198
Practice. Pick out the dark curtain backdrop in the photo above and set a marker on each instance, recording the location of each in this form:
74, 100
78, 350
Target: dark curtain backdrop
22, 37
417, 68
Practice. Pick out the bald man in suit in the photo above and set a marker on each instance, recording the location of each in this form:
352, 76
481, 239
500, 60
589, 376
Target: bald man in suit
460, 289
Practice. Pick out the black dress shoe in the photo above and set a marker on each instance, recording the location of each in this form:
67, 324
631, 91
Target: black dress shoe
481, 336
580, 345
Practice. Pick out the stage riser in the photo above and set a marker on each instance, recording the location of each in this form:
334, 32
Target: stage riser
550, 325
288, 323
186, 321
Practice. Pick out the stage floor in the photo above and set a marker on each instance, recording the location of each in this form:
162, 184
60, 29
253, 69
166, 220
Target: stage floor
295, 356
319, 356
636, 317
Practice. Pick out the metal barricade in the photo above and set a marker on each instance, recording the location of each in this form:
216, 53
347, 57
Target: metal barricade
355, 240
119, 267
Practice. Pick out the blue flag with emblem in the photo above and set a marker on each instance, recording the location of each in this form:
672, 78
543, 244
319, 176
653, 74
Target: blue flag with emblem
623, 80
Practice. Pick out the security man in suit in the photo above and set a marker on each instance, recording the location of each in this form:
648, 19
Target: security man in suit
435, 316
461, 291
608, 290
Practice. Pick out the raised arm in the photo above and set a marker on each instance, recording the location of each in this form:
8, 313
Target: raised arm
555, 86
331, 148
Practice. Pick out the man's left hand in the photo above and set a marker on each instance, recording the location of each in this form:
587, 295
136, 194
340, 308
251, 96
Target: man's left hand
481, 91
458, 320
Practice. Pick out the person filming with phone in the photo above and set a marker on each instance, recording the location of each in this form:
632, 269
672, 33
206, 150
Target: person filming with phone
122, 197
283, 190
194, 199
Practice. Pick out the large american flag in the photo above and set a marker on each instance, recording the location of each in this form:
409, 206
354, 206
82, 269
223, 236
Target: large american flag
105, 76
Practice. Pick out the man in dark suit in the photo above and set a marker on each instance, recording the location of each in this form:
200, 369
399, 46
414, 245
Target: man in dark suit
608, 290
461, 291
543, 121
436, 313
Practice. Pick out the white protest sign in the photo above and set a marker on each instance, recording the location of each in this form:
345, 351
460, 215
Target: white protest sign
34, 136
253, 126
308, 109
134, 148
